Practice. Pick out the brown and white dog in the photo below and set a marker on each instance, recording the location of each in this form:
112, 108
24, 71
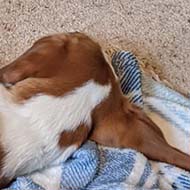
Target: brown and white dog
61, 92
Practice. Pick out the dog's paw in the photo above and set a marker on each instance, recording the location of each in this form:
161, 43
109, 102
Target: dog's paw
48, 179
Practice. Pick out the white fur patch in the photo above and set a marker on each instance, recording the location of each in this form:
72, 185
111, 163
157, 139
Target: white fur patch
48, 179
30, 132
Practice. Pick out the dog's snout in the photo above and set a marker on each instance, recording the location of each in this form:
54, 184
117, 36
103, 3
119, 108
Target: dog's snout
9, 77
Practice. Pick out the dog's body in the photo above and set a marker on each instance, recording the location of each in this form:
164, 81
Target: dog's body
62, 92
26, 129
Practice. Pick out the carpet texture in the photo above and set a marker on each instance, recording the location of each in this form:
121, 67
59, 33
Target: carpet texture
157, 31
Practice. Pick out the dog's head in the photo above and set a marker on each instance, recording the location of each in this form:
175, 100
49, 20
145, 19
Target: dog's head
55, 65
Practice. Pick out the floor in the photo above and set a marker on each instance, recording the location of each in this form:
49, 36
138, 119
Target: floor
157, 31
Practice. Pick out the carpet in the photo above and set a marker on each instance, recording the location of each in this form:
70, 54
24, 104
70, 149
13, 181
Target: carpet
156, 31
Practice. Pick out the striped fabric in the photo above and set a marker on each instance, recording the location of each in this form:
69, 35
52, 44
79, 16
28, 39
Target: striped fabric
127, 69
95, 167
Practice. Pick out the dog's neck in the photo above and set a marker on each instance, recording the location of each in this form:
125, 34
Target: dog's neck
66, 112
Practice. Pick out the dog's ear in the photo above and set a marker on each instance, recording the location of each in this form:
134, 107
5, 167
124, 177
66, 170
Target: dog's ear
17, 71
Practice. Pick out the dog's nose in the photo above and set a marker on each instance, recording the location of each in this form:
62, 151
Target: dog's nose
4, 82
7, 78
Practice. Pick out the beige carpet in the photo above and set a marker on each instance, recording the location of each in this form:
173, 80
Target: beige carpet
157, 31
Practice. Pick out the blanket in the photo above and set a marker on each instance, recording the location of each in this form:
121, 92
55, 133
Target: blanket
94, 167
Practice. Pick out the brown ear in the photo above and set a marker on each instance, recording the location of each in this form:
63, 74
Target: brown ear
16, 71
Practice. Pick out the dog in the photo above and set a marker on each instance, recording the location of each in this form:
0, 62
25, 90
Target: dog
60, 93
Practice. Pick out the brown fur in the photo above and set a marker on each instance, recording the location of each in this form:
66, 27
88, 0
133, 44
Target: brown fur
52, 66
4, 181
57, 64
76, 137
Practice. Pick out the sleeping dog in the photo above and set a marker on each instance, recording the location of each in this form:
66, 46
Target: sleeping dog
60, 93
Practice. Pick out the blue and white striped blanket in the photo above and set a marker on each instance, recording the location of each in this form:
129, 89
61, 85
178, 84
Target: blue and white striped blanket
94, 167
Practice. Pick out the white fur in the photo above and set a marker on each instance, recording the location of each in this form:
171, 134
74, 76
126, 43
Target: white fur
48, 179
30, 132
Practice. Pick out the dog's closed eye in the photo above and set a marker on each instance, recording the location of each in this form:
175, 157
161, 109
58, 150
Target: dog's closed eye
8, 85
